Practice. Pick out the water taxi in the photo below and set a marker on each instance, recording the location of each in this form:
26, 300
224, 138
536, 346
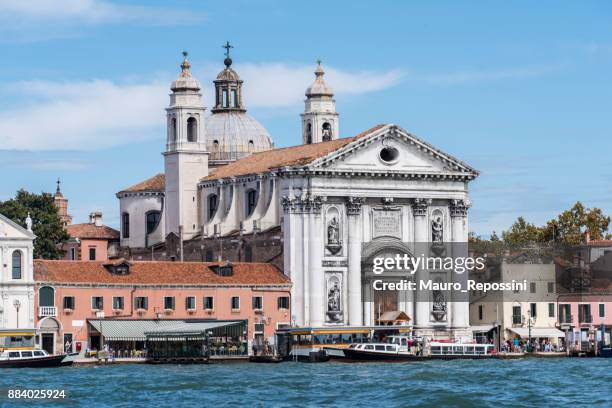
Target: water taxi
32, 358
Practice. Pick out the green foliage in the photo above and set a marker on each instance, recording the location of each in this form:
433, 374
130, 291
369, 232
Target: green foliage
46, 224
567, 228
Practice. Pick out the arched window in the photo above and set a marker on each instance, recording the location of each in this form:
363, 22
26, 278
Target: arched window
213, 203
152, 219
17, 264
309, 133
46, 296
173, 129
125, 225
327, 132
235, 98
225, 98
215, 146
251, 147
192, 129
251, 201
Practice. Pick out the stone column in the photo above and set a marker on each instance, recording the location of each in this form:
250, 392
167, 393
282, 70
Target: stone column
292, 229
421, 247
461, 307
305, 261
353, 210
317, 278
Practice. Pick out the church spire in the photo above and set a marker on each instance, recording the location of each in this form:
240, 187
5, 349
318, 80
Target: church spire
320, 121
228, 87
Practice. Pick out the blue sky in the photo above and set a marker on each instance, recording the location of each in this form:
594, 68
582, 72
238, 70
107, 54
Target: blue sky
520, 90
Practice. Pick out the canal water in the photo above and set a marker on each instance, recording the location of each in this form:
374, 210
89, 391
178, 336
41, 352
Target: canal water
500, 383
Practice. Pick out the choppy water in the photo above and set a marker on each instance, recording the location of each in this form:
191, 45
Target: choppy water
510, 383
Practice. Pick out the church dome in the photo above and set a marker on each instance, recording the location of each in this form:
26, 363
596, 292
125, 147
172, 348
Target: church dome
234, 134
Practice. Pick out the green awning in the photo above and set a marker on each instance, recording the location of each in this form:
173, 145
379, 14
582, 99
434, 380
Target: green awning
137, 330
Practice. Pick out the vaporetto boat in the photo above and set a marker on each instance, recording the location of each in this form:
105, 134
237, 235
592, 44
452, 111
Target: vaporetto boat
394, 350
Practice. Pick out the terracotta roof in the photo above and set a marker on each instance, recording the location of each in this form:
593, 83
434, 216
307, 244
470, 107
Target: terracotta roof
600, 242
155, 183
91, 231
265, 161
157, 272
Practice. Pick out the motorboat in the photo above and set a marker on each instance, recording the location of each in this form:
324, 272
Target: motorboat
15, 358
434, 351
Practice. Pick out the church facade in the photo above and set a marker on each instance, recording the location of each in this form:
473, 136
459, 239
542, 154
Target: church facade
338, 203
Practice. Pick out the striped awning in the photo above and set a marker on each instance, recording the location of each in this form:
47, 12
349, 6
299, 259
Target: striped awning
199, 328
137, 330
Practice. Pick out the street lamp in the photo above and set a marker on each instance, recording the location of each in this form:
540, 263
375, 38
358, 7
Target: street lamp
100, 315
17, 305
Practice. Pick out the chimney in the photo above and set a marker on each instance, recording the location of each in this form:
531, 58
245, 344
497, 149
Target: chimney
96, 218
587, 237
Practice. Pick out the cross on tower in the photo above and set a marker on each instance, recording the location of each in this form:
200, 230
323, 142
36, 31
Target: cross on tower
227, 47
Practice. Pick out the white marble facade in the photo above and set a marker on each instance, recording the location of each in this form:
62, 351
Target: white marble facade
338, 208
16, 275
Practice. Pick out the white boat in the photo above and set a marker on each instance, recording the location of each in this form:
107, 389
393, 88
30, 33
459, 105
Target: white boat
396, 350
13, 358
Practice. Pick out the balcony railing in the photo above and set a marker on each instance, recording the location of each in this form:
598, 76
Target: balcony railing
46, 311
586, 318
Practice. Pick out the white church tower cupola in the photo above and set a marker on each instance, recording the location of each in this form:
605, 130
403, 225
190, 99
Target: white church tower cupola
228, 87
320, 121
186, 155
186, 112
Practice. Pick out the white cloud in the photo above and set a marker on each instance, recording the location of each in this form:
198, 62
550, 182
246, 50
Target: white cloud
82, 115
282, 85
79, 12
96, 114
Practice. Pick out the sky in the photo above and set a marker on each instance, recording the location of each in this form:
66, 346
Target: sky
522, 91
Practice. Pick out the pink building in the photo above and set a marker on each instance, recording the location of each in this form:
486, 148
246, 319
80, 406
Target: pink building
91, 241
584, 298
81, 304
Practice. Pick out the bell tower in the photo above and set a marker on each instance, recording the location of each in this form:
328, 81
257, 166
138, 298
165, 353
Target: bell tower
186, 156
320, 121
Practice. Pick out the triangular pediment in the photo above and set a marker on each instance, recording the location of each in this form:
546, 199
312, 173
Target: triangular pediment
10, 229
392, 149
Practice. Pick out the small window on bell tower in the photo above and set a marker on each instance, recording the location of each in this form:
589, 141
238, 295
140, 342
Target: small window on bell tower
192, 130
327, 132
309, 133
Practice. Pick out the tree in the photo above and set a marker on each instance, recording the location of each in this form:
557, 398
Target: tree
46, 223
521, 233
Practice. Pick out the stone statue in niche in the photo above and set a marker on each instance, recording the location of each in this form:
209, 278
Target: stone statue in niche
334, 244
333, 231
436, 230
439, 305
334, 302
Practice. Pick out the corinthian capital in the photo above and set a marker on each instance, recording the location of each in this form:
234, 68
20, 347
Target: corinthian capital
459, 208
353, 205
419, 206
